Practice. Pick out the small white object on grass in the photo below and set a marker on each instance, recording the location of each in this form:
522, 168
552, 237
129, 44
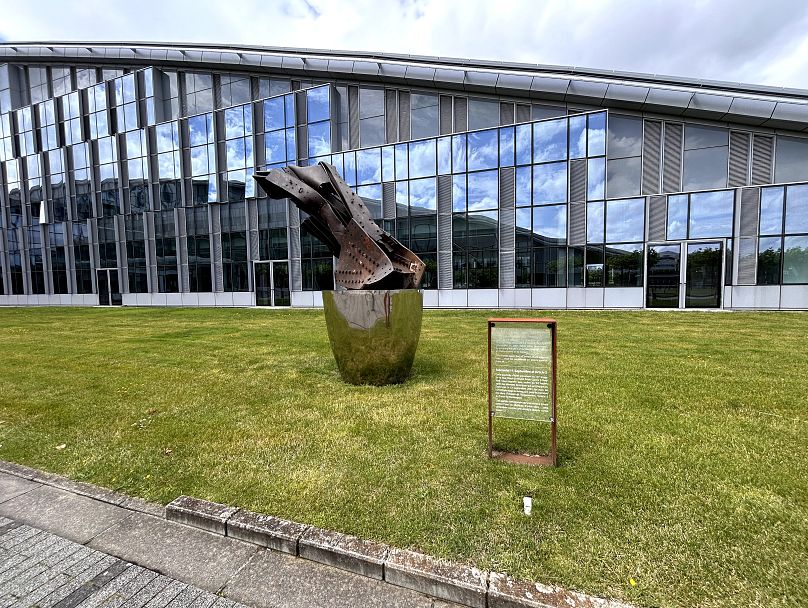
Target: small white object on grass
527, 501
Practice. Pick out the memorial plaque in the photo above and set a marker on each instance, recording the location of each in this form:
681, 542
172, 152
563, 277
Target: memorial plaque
521, 371
522, 379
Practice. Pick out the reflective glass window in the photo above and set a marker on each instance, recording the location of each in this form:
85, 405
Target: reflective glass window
506, 152
577, 136
625, 220
594, 222
444, 155
422, 158
550, 140
483, 190
388, 164
524, 183
458, 153
711, 214
483, 113
550, 223
625, 136
549, 183
524, 138
769, 258
423, 196
596, 131
274, 117
368, 166
796, 209
402, 162
423, 115
795, 259
319, 138
459, 192
317, 104
483, 150
596, 178
771, 210
791, 159
624, 265
677, 217
623, 177
705, 169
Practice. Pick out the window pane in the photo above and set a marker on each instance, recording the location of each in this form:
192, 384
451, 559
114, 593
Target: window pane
371, 103
423, 196
796, 209
422, 158
458, 153
424, 120
677, 217
795, 259
317, 104
483, 150
506, 147
483, 190
625, 220
483, 114
371, 131
577, 136
594, 222
697, 136
711, 214
523, 184
273, 114
594, 266
549, 183
523, 144
368, 166
596, 178
596, 126
705, 169
768, 269
771, 210
791, 159
550, 224
625, 136
459, 192
623, 177
550, 140
624, 265
444, 155
320, 138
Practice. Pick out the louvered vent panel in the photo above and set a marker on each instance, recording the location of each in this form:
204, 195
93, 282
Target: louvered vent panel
217, 91
507, 269
577, 223
353, 117
444, 232
747, 260
215, 218
762, 159
185, 283
294, 214
522, 112
506, 113
445, 194
390, 115
738, 158
445, 114
302, 142
296, 272
255, 88
750, 211
461, 119
301, 107
389, 200
252, 214
578, 180
254, 251
672, 158
651, 156
657, 217
294, 242
403, 116
445, 276
218, 276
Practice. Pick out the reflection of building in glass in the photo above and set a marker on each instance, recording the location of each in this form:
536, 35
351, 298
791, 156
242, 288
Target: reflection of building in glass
539, 189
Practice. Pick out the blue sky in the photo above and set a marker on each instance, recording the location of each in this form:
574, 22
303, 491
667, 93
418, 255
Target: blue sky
741, 40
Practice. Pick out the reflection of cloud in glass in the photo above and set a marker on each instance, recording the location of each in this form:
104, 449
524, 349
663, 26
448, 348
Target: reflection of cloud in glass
320, 139
711, 214
422, 158
625, 220
368, 166
483, 190
482, 150
550, 140
459, 193
523, 180
423, 194
797, 209
550, 222
596, 178
550, 183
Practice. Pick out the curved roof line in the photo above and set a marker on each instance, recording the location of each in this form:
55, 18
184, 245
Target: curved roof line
764, 106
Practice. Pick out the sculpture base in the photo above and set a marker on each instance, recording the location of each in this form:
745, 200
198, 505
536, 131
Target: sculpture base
374, 333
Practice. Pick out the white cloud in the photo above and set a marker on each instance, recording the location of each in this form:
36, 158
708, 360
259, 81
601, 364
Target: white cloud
755, 42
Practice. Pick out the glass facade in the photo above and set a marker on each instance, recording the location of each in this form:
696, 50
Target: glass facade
148, 172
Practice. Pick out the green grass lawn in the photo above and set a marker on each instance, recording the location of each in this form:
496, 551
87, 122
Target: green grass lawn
683, 439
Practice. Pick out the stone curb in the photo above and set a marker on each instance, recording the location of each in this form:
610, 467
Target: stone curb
81, 488
439, 578
443, 579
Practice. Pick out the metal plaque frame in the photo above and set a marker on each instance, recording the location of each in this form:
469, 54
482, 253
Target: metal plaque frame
529, 459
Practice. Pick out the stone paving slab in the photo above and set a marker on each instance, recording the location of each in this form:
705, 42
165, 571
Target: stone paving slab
11, 487
278, 580
66, 514
189, 554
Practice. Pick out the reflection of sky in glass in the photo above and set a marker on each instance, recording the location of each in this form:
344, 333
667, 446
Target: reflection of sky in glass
423, 195
677, 217
200, 129
625, 220
550, 183
705, 169
199, 161
594, 222
402, 198
134, 145
523, 218
523, 183
388, 164
369, 166
106, 151
482, 150
506, 147
711, 214
168, 165
273, 114
349, 174
523, 138
238, 121
372, 197
791, 159
771, 211
623, 177
596, 178
458, 153
550, 222
550, 140
795, 259
483, 190
320, 138
317, 104
422, 158
577, 136
796, 209
625, 136
167, 135
444, 155
459, 192
236, 153
275, 146
401, 162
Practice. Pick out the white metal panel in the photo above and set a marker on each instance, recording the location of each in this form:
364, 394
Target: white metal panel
794, 297
452, 298
430, 298
483, 298
207, 298
224, 298
190, 299
576, 298
301, 299
623, 297
173, 299
550, 297
593, 297
243, 298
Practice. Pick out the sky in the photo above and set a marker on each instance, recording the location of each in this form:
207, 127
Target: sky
749, 41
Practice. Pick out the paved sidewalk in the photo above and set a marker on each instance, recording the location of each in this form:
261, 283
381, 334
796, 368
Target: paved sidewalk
60, 549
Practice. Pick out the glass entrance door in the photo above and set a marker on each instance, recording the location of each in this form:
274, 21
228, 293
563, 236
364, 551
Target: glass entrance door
664, 272
703, 283
272, 284
109, 293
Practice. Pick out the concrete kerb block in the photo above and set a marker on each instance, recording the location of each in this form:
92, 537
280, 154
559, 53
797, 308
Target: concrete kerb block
505, 592
18, 470
266, 531
439, 578
357, 555
200, 513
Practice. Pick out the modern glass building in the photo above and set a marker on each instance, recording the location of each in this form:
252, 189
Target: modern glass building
125, 178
